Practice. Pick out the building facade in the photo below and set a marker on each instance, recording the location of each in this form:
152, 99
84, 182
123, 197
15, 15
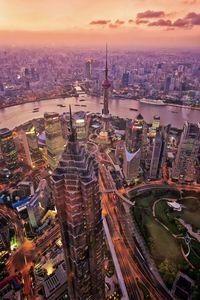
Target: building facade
132, 150
77, 198
186, 158
156, 156
33, 155
8, 148
54, 138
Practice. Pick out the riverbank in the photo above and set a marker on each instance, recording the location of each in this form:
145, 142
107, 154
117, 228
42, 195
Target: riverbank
36, 101
184, 106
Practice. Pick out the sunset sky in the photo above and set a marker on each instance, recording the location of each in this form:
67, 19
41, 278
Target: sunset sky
125, 23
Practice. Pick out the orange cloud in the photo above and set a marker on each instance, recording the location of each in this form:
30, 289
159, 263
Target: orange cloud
119, 22
100, 22
113, 26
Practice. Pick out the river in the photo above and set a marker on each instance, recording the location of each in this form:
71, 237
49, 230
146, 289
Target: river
11, 117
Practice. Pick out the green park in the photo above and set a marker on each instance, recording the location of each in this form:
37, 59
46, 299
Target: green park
171, 235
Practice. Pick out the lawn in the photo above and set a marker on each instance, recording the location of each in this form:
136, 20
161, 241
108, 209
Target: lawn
191, 212
163, 213
162, 244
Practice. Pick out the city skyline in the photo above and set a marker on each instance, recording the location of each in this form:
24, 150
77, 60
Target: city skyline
135, 24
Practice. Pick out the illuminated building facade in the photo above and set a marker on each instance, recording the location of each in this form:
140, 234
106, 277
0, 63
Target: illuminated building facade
156, 156
8, 148
33, 155
131, 164
134, 133
79, 122
186, 158
38, 203
155, 125
140, 120
132, 150
54, 138
77, 198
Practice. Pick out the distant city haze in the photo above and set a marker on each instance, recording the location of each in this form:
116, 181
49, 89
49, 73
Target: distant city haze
123, 23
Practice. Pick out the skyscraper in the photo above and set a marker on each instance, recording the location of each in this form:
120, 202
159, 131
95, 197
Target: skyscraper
33, 155
125, 79
8, 148
54, 139
133, 136
77, 198
185, 163
106, 86
88, 69
156, 156
132, 150
155, 125
140, 120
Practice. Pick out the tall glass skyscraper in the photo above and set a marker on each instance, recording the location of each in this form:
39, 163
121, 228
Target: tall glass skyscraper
185, 163
33, 155
54, 138
77, 198
8, 148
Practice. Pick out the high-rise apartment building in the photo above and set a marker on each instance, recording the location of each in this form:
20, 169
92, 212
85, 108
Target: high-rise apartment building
77, 198
54, 138
156, 156
33, 155
185, 163
8, 148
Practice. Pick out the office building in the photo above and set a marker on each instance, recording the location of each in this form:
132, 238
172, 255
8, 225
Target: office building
156, 158
77, 199
131, 164
33, 156
25, 189
155, 125
140, 120
132, 150
88, 69
125, 79
54, 138
133, 136
184, 168
79, 122
8, 148
38, 203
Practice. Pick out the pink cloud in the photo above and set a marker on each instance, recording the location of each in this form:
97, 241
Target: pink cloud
138, 21
161, 22
151, 14
100, 22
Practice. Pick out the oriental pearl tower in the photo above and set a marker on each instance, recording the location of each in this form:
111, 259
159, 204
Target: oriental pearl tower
105, 112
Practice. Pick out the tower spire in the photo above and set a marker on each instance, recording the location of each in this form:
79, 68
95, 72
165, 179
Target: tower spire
106, 70
72, 136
